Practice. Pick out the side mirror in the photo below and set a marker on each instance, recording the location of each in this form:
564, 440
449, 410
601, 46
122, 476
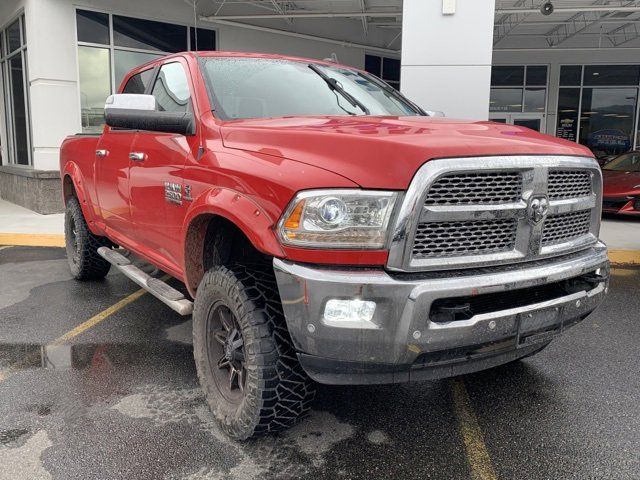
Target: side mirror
138, 112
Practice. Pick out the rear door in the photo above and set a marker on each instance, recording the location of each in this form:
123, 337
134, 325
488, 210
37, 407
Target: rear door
159, 199
112, 167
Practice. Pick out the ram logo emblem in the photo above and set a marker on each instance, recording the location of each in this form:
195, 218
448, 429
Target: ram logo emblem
538, 209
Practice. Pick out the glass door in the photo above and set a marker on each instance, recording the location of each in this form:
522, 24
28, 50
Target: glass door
534, 121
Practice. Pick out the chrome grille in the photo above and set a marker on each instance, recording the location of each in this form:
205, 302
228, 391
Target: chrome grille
476, 188
565, 227
464, 238
569, 184
467, 212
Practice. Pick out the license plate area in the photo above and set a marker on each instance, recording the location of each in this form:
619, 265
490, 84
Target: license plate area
539, 326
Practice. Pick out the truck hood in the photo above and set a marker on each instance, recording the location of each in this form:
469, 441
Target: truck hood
385, 152
620, 183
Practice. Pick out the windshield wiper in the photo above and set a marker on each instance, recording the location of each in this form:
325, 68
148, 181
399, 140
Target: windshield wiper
336, 87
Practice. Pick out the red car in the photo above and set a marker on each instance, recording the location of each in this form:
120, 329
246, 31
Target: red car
621, 191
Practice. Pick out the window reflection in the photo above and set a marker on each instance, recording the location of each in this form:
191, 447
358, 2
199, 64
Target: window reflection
95, 86
148, 35
534, 99
19, 110
124, 61
505, 100
172, 89
607, 119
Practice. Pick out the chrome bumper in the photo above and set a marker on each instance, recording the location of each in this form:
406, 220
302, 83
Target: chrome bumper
405, 336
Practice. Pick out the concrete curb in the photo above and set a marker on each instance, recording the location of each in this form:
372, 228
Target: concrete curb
624, 257
32, 240
617, 257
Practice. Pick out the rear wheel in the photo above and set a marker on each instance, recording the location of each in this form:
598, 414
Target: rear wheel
82, 246
246, 363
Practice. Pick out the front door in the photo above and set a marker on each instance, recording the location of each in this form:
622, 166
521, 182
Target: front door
159, 198
112, 179
534, 121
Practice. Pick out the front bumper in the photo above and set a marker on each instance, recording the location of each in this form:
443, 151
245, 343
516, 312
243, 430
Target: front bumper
407, 343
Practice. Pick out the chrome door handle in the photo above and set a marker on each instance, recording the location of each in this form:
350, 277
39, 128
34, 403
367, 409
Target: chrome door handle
137, 156
102, 153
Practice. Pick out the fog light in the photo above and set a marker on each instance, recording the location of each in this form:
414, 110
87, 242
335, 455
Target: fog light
350, 314
636, 204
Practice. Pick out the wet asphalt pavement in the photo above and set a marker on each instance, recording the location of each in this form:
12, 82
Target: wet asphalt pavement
121, 399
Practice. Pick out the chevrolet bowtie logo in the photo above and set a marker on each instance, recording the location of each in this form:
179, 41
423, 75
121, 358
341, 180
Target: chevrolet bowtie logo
538, 209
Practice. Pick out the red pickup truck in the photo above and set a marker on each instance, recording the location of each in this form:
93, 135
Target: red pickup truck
319, 226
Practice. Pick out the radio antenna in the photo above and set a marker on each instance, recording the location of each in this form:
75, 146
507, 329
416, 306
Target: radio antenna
195, 25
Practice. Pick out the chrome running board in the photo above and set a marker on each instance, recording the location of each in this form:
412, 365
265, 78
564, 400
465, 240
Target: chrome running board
156, 287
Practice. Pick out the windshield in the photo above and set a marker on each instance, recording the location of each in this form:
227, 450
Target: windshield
259, 87
629, 162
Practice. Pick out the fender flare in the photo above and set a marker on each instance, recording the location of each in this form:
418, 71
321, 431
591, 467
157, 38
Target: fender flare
72, 171
238, 209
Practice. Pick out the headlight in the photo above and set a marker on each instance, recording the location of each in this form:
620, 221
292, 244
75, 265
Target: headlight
338, 219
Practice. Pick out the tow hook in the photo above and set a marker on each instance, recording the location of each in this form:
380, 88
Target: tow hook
452, 312
594, 278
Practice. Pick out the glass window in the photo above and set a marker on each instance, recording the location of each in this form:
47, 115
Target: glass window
172, 89
125, 61
504, 76
505, 100
19, 110
139, 82
612, 74
391, 69
534, 99
13, 36
256, 88
206, 39
570, 75
537, 75
568, 106
95, 86
92, 27
149, 35
625, 163
373, 64
607, 121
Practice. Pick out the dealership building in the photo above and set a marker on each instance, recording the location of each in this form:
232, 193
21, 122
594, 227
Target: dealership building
570, 69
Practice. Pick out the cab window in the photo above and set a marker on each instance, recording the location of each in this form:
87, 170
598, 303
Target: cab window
139, 82
171, 89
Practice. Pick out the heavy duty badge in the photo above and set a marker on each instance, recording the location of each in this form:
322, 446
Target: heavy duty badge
173, 193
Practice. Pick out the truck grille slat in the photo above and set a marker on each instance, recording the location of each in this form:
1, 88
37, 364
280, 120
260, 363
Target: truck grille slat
476, 188
568, 184
464, 238
566, 227
497, 210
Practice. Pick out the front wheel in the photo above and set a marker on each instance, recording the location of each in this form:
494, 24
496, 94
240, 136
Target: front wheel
246, 363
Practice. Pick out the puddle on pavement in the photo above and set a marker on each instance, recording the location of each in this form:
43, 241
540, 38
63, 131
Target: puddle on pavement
88, 356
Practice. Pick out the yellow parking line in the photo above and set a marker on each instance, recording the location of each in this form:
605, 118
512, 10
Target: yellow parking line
96, 319
32, 240
477, 453
83, 327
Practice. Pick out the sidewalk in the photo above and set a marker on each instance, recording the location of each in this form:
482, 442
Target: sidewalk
19, 226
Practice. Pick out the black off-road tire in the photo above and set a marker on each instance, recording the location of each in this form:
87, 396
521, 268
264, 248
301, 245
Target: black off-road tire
277, 392
82, 245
